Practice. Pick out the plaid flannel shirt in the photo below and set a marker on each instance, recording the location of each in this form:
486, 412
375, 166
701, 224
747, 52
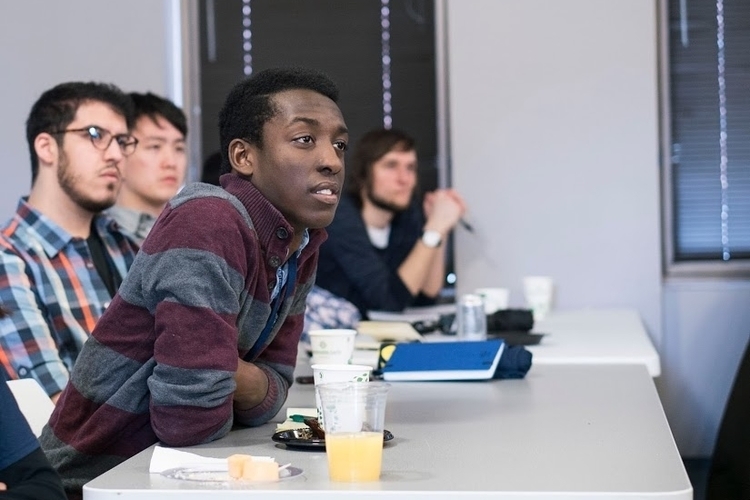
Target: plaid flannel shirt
52, 292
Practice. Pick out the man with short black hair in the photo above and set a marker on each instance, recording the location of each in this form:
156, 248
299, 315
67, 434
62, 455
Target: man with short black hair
203, 332
156, 170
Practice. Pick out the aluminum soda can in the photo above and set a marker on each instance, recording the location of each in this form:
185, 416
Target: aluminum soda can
472, 322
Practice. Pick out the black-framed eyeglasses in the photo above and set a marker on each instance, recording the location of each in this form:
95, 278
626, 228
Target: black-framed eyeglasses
101, 138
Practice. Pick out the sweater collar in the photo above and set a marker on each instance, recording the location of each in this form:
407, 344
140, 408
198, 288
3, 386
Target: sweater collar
274, 231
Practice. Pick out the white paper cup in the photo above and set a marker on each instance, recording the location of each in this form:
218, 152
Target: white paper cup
538, 291
333, 373
495, 299
334, 346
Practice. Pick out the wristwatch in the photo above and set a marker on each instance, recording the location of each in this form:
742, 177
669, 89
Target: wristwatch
431, 239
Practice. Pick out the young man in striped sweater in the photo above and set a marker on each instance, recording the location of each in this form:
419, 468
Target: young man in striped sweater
203, 332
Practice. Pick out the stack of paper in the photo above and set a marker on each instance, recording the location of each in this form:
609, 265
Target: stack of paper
296, 423
381, 331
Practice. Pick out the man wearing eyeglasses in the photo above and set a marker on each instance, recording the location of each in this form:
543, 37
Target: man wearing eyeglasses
61, 260
156, 170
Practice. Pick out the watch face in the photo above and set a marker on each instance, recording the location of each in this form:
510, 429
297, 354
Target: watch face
431, 239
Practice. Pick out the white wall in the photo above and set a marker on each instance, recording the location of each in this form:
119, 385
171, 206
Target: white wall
706, 329
46, 42
554, 137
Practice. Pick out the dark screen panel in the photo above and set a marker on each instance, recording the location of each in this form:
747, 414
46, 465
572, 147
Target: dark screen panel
413, 76
338, 37
221, 72
343, 39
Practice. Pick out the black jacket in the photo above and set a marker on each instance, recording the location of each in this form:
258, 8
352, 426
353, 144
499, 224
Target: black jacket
352, 268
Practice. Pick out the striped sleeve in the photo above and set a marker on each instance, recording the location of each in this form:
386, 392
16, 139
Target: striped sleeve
190, 281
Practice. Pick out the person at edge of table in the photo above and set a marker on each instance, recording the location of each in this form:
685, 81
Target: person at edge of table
156, 170
25, 472
61, 258
385, 246
204, 330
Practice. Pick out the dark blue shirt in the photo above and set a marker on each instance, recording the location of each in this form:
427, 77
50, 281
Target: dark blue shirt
352, 268
16, 438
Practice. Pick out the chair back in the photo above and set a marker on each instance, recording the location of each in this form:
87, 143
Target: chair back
34, 403
729, 475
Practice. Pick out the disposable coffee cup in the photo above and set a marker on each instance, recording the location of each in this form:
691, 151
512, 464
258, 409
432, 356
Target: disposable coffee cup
332, 373
334, 346
538, 291
495, 299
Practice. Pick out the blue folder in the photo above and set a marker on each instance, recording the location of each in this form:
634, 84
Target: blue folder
459, 360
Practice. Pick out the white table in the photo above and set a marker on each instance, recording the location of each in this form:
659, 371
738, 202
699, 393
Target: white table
563, 432
595, 336
592, 336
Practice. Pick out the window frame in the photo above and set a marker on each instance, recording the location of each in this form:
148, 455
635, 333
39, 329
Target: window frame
673, 269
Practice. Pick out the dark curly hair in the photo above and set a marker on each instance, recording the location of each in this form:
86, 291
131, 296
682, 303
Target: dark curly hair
249, 105
56, 109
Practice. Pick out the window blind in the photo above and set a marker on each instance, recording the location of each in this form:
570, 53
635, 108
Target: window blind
710, 126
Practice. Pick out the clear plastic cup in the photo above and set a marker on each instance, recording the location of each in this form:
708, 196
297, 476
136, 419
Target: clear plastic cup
354, 423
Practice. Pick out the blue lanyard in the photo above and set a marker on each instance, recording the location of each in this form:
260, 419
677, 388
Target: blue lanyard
283, 295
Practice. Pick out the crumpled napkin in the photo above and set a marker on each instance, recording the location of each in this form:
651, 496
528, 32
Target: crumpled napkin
169, 458
293, 420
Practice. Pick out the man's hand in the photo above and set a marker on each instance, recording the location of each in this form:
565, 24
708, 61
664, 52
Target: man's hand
443, 209
252, 386
3, 487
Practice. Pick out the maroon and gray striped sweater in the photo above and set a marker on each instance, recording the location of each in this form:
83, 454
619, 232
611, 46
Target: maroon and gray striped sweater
159, 365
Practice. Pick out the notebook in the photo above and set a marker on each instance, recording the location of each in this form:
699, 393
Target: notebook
388, 330
459, 360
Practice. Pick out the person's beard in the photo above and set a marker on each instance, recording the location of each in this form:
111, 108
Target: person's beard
69, 186
384, 204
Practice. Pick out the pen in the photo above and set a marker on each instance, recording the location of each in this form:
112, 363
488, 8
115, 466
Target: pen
466, 225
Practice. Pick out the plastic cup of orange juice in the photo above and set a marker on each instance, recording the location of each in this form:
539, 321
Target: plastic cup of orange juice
354, 422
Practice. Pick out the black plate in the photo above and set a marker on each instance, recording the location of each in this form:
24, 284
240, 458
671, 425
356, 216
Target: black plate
516, 337
303, 439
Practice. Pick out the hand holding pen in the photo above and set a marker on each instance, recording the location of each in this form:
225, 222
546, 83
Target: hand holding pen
444, 209
462, 220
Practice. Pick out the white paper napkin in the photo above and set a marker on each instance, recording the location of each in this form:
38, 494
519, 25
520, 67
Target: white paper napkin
169, 458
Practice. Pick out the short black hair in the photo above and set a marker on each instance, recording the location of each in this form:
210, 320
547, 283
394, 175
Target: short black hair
154, 106
249, 106
369, 149
57, 107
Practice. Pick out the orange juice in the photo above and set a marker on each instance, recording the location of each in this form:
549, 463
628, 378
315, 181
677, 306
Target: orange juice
354, 456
